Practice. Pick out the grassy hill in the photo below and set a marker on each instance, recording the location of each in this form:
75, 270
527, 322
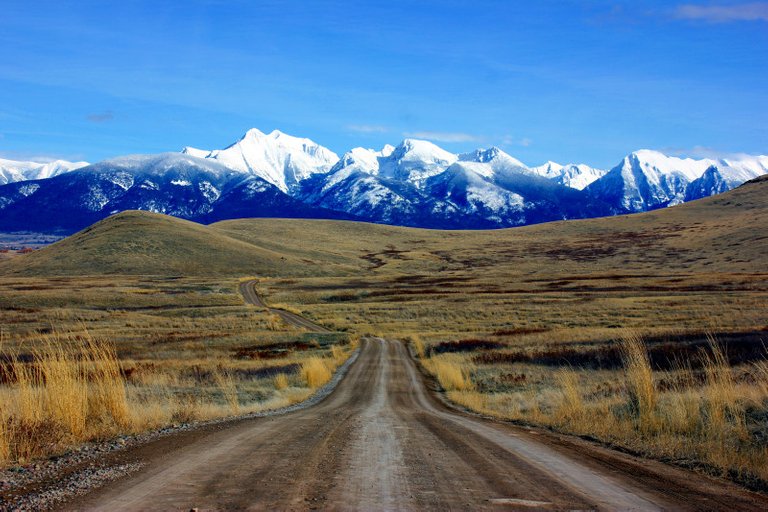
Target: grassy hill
142, 243
729, 231
726, 232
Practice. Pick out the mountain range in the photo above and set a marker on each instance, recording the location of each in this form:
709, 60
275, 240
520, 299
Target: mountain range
415, 183
12, 171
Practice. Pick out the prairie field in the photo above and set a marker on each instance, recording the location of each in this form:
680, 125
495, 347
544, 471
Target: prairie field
89, 358
648, 332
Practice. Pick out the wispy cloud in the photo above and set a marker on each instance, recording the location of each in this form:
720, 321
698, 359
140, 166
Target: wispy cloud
753, 11
367, 128
514, 141
699, 152
21, 156
101, 117
445, 136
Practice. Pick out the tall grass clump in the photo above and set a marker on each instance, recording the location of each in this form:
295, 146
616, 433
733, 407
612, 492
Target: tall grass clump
5, 447
571, 404
281, 381
315, 372
228, 387
107, 399
451, 375
338, 355
418, 346
725, 415
68, 390
640, 382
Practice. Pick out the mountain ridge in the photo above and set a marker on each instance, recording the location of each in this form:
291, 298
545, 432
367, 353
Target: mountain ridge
12, 171
415, 183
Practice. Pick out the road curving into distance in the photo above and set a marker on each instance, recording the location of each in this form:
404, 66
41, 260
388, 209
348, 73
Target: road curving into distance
383, 441
251, 296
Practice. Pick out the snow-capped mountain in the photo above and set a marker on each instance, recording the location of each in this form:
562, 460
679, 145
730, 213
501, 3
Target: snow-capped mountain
413, 161
467, 190
725, 175
277, 158
355, 185
577, 176
12, 171
176, 184
647, 179
420, 184
415, 183
494, 156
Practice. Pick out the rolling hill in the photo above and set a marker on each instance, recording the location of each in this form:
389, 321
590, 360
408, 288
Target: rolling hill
727, 232
143, 243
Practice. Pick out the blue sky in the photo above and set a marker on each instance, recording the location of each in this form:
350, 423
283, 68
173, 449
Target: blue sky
585, 81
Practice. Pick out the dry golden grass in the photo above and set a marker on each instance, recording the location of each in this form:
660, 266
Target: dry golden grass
641, 388
228, 387
451, 375
315, 372
71, 391
281, 381
571, 407
150, 351
708, 418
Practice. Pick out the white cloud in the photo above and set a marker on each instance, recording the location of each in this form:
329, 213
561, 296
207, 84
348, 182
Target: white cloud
699, 152
367, 128
753, 11
37, 157
513, 141
445, 136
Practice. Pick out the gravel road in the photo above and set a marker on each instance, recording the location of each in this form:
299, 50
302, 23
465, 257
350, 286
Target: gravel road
248, 290
383, 441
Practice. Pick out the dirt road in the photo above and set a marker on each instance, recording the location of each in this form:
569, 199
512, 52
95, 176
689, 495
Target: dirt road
382, 441
248, 290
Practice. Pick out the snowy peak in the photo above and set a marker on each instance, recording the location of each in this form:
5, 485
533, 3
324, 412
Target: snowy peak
421, 151
199, 153
414, 161
577, 176
655, 164
648, 179
278, 158
469, 171
744, 167
12, 171
163, 163
494, 156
